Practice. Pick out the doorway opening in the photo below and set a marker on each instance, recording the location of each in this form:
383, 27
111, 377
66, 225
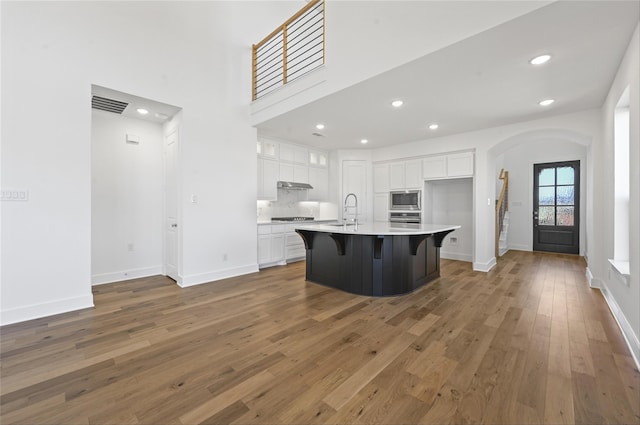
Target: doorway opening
129, 236
556, 207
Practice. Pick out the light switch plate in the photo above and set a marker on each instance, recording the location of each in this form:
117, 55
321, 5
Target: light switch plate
14, 195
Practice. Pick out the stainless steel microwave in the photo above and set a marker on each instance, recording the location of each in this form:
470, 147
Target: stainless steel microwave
404, 200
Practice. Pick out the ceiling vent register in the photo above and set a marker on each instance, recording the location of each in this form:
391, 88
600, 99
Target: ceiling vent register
109, 105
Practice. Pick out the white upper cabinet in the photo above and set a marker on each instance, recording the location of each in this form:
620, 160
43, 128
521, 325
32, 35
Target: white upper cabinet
294, 154
434, 167
300, 174
278, 161
267, 149
294, 173
405, 175
446, 166
381, 178
413, 174
460, 164
318, 159
319, 179
268, 172
396, 176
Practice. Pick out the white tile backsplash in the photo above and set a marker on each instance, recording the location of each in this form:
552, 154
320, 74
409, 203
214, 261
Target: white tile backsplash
293, 203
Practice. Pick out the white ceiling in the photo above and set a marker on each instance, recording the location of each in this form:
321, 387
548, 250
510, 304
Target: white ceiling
481, 82
158, 112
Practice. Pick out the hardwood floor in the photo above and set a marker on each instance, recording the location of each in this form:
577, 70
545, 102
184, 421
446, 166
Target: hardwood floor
528, 342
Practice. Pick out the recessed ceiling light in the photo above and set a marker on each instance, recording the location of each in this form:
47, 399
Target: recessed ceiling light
142, 111
546, 102
397, 103
539, 60
433, 126
320, 126
364, 141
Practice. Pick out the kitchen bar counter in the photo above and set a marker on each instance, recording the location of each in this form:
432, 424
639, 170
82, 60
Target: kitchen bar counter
379, 228
376, 259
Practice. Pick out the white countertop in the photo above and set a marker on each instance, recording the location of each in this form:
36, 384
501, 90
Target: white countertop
381, 228
317, 220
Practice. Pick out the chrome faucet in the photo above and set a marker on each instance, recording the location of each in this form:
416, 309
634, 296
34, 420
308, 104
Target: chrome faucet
354, 206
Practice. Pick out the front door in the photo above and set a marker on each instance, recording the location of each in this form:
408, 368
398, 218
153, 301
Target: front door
556, 207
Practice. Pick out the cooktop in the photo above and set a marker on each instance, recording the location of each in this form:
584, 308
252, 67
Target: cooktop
291, 218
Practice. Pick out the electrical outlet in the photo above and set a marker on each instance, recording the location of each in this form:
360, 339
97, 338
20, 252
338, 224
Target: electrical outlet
453, 240
130, 247
224, 257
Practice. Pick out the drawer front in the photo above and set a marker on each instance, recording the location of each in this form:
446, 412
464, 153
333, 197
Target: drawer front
264, 229
278, 228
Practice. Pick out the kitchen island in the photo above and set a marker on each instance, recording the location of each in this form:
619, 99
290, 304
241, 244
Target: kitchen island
375, 259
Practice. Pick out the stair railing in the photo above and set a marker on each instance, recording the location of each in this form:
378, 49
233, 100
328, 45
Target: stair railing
290, 51
502, 206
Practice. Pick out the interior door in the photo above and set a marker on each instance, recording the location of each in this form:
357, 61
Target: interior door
171, 205
556, 207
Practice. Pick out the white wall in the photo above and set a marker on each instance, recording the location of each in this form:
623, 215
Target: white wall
519, 161
196, 55
451, 202
126, 198
623, 297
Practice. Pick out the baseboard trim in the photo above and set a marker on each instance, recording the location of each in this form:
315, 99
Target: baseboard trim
594, 282
38, 311
101, 279
456, 256
198, 279
627, 331
484, 267
520, 247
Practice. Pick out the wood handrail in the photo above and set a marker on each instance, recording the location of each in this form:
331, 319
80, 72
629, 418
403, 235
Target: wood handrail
299, 13
276, 47
500, 204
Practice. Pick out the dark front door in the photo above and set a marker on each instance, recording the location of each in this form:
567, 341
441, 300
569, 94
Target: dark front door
556, 207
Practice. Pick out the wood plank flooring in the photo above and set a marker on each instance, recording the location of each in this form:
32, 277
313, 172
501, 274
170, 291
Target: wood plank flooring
527, 343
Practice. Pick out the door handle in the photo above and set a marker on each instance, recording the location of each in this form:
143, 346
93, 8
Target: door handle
535, 218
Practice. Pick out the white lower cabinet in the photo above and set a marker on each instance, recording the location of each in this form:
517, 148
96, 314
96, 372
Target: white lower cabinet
279, 244
294, 246
271, 245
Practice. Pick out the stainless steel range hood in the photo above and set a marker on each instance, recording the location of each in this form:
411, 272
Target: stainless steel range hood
294, 185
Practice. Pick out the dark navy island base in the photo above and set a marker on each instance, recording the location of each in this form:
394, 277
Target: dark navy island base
372, 264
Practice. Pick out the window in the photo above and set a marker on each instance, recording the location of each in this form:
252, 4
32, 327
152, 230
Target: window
621, 185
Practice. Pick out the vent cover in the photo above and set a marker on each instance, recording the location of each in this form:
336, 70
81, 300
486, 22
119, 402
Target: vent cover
109, 105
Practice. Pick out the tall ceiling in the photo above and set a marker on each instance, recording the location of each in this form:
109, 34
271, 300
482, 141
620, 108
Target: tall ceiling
480, 82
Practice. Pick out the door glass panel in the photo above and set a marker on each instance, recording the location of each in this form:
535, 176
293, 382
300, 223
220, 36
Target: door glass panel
565, 175
547, 177
546, 196
565, 195
565, 216
546, 216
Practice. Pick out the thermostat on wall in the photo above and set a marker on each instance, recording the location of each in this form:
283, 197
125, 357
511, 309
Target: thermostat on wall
132, 138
